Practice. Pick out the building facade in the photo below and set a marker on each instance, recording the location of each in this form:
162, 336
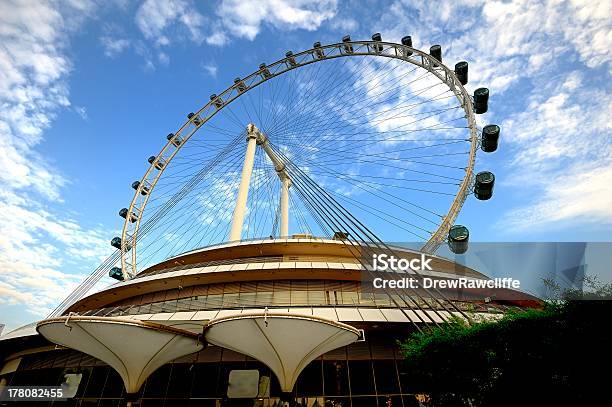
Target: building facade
248, 307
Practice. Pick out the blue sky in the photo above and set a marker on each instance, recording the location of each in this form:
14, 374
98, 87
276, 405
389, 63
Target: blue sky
89, 89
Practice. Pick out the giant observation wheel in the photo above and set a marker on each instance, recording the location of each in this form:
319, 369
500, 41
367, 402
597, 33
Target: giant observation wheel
388, 131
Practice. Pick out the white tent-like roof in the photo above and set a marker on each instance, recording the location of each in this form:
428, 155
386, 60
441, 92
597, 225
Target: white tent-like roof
135, 349
285, 343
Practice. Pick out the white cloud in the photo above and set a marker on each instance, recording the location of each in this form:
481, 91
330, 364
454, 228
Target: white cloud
558, 143
211, 69
581, 195
244, 18
81, 111
155, 17
33, 88
562, 148
114, 46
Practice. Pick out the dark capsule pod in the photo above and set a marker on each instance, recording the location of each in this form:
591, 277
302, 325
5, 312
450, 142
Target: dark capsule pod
124, 214
116, 273
377, 37
461, 70
217, 101
483, 188
490, 138
407, 41
348, 48
458, 237
436, 52
159, 164
239, 85
116, 242
196, 119
265, 72
176, 140
481, 100
290, 59
319, 53
143, 191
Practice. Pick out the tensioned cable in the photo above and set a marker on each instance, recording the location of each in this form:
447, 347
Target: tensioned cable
307, 182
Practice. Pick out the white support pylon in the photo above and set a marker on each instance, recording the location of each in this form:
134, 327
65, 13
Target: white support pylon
284, 206
245, 181
256, 137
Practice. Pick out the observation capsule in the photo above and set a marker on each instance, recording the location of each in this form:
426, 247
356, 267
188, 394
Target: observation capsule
290, 59
481, 100
461, 70
436, 52
160, 164
176, 140
196, 119
348, 48
458, 237
377, 37
217, 101
407, 41
490, 138
265, 72
116, 273
145, 189
124, 214
239, 85
483, 188
319, 53
116, 243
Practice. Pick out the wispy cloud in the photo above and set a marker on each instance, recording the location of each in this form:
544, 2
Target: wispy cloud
245, 18
211, 69
114, 46
34, 241
556, 133
156, 17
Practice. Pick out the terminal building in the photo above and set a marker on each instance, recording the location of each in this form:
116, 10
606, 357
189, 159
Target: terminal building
251, 323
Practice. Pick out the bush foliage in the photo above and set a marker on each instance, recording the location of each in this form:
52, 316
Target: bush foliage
550, 356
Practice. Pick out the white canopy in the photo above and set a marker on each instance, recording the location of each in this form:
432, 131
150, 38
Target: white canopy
135, 349
285, 343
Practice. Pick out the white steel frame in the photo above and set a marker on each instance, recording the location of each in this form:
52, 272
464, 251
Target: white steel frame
413, 56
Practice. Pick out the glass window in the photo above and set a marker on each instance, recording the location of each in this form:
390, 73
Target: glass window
299, 298
281, 298
386, 377
404, 377
350, 298
310, 381
390, 401
335, 378
214, 300
364, 401
230, 300
96, 381
362, 379
157, 384
264, 298
180, 380
114, 385
316, 297
248, 299
184, 304
205, 378
198, 302
366, 299
169, 306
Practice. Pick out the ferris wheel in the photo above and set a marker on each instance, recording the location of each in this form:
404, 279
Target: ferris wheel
386, 131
